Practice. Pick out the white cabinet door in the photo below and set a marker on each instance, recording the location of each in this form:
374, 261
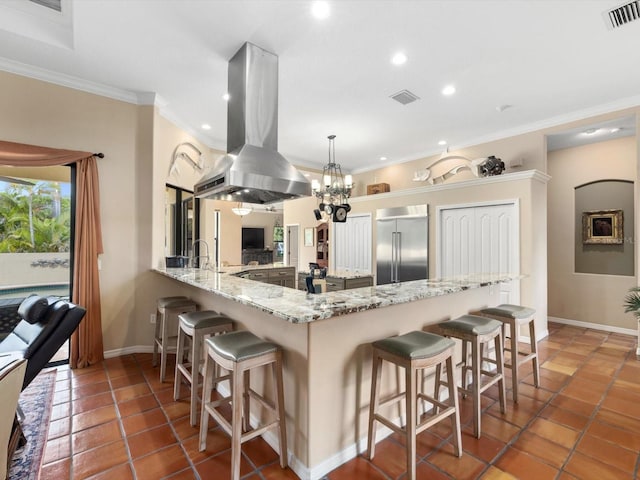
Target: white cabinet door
352, 244
480, 239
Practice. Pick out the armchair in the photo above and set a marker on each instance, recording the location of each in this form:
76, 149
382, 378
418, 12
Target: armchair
46, 324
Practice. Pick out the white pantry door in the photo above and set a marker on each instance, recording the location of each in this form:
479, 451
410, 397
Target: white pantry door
481, 238
351, 250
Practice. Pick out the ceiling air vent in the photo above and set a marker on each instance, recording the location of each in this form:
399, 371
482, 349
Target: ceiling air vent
622, 15
404, 97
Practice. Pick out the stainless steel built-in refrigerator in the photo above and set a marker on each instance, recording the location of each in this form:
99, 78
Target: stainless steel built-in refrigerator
402, 244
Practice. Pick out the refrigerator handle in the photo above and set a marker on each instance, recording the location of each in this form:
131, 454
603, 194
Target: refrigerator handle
398, 252
393, 256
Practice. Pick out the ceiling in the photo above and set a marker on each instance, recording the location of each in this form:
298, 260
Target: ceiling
551, 62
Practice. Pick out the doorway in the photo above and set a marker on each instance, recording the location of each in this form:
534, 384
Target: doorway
291, 246
36, 235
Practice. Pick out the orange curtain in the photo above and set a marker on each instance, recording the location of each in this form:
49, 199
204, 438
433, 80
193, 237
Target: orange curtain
86, 342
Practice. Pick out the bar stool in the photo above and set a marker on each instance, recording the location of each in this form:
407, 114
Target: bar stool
516, 316
195, 326
413, 351
168, 309
239, 352
478, 331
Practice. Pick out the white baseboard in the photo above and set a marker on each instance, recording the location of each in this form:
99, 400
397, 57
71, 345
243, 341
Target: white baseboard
594, 326
320, 470
128, 351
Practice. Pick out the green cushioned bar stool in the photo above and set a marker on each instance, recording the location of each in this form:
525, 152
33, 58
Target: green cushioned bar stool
239, 352
478, 331
166, 334
516, 316
195, 326
414, 351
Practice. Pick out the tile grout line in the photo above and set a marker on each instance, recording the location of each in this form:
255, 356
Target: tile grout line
596, 408
169, 422
120, 423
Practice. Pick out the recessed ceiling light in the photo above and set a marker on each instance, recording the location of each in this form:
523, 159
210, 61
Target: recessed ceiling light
442, 142
590, 131
206, 126
382, 159
320, 10
615, 129
399, 59
226, 97
502, 108
449, 90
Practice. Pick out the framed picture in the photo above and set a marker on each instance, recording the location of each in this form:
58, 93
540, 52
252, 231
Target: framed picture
602, 227
308, 237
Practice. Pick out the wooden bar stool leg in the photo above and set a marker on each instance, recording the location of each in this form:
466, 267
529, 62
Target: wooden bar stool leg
453, 401
179, 358
465, 362
195, 374
236, 421
436, 385
376, 367
534, 352
246, 401
156, 335
475, 388
163, 353
514, 359
206, 396
411, 406
498, 345
277, 371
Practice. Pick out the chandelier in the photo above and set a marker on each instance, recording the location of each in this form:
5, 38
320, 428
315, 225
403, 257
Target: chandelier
335, 189
241, 210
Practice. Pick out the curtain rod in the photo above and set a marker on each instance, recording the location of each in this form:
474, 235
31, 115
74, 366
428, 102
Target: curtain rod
99, 155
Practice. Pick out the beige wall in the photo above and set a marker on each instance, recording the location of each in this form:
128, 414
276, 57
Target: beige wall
40, 113
528, 148
577, 296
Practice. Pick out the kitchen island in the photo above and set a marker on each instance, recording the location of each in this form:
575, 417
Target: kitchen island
326, 341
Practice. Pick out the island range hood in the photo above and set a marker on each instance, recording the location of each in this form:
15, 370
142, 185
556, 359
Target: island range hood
252, 171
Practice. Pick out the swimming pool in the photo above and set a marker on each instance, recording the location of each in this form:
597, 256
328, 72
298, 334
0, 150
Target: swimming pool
57, 289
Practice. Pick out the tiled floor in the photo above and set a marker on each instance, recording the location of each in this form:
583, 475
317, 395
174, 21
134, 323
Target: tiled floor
117, 421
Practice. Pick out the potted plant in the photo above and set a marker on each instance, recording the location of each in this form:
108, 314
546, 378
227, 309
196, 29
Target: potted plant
632, 302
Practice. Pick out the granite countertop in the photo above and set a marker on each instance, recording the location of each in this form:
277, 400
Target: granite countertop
297, 306
343, 274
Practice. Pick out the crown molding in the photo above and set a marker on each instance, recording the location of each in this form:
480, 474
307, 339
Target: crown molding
559, 120
69, 81
536, 175
136, 98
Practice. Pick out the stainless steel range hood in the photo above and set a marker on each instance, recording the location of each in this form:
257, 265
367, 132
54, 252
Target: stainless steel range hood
252, 170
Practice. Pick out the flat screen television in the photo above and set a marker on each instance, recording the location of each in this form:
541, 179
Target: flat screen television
252, 238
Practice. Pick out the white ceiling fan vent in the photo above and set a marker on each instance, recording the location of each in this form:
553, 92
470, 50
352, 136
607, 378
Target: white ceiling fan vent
405, 97
622, 15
